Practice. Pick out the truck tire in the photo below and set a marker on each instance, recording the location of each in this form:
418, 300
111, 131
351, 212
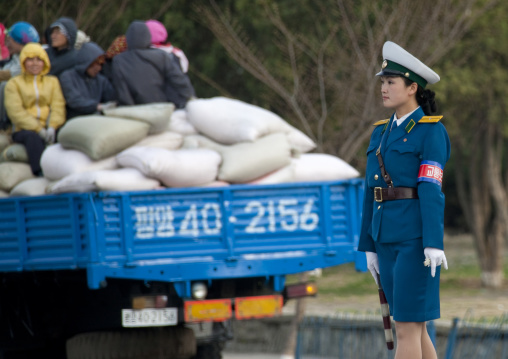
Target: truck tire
211, 350
146, 343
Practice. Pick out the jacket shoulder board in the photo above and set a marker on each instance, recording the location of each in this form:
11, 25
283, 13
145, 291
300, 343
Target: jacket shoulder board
430, 119
381, 122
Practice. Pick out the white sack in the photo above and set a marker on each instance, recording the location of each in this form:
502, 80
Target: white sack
31, 187
215, 184
282, 175
156, 115
179, 168
247, 161
168, 140
12, 173
14, 153
123, 179
199, 141
321, 167
230, 121
101, 136
180, 124
4, 141
58, 162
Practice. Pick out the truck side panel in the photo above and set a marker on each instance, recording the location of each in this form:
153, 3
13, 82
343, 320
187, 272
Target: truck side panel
186, 234
44, 233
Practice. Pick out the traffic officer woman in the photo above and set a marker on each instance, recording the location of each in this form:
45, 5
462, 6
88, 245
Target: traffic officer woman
402, 223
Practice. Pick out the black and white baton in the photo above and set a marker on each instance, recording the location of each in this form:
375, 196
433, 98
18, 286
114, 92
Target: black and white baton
385, 312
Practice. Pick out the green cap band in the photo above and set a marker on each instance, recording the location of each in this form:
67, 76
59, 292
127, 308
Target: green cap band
396, 69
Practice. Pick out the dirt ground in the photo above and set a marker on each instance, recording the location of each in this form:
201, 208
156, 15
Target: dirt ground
468, 300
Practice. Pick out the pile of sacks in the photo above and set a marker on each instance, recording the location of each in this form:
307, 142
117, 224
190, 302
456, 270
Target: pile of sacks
212, 142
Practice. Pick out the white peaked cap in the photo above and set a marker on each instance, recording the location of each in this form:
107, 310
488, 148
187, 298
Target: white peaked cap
399, 62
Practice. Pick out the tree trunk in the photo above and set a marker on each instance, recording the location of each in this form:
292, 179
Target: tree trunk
483, 199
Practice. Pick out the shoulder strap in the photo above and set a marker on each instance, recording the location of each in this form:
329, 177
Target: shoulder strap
386, 176
430, 119
381, 122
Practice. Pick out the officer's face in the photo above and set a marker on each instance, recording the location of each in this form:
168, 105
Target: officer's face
395, 92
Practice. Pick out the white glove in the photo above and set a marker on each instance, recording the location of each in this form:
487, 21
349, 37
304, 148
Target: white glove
434, 257
43, 133
373, 264
106, 106
50, 135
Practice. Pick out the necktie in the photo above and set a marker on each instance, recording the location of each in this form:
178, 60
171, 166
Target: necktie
394, 124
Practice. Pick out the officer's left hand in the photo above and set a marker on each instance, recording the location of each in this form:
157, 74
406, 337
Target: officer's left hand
436, 257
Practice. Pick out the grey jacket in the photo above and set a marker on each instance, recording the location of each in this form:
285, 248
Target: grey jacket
83, 93
146, 75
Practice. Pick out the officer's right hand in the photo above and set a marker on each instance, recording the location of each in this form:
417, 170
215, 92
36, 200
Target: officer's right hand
373, 264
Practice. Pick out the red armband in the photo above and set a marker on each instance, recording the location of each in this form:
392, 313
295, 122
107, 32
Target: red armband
431, 171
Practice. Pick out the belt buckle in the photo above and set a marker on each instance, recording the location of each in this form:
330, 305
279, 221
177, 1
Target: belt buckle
378, 194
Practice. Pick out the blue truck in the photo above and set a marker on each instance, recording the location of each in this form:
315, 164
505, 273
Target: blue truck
161, 273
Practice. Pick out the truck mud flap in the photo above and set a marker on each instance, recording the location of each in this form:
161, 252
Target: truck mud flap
146, 343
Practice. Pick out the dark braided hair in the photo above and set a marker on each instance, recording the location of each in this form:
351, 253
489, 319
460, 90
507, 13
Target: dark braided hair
425, 98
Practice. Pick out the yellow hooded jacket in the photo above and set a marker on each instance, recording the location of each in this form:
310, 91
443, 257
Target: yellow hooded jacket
34, 102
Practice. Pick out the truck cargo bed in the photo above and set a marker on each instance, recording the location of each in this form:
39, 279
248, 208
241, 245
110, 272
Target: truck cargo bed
185, 234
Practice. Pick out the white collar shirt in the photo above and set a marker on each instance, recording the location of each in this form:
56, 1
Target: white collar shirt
403, 118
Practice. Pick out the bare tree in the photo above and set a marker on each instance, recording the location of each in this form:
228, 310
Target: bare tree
328, 86
337, 100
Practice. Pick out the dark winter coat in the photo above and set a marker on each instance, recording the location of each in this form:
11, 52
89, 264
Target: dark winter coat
64, 59
146, 75
82, 92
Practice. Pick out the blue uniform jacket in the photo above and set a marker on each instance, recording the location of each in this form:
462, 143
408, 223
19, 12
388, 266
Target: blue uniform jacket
411, 152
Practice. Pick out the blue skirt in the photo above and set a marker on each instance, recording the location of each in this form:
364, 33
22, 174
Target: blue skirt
412, 293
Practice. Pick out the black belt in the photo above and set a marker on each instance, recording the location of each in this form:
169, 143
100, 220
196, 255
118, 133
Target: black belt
393, 193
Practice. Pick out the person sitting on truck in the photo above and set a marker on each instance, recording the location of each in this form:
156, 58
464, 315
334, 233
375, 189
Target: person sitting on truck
61, 52
4, 51
159, 36
145, 75
85, 89
19, 34
118, 46
35, 104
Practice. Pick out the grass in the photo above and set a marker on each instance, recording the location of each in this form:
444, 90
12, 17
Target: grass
343, 287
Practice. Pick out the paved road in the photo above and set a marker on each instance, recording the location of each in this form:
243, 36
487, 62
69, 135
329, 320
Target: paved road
249, 356
257, 356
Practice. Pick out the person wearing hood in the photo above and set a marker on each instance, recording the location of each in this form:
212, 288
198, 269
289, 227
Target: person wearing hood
146, 75
159, 41
19, 34
35, 104
62, 39
4, 51
85, 89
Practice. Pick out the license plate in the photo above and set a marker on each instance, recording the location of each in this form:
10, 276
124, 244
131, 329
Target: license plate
150, 317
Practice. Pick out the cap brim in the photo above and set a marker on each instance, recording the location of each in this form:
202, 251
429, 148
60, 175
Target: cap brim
389, 73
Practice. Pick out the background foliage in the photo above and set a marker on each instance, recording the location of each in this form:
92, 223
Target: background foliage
313, 62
